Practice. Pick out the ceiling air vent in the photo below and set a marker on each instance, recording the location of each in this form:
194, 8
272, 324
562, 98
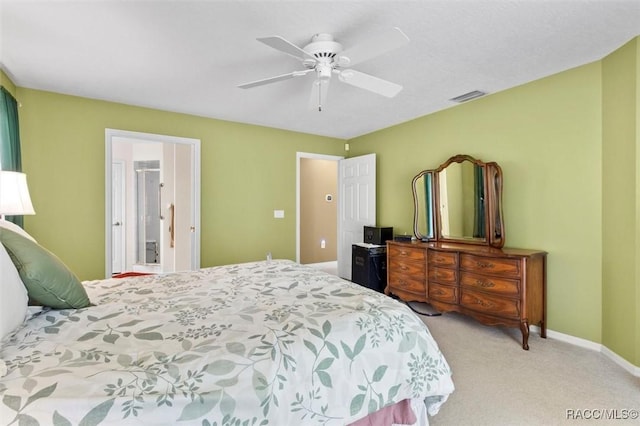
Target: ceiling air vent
468, 96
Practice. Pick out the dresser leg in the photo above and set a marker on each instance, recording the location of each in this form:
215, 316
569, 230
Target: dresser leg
524, 328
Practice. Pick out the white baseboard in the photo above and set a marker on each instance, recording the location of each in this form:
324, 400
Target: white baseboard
588, 344
634, 370
323, 264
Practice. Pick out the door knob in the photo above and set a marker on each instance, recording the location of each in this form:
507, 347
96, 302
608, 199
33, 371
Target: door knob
117, 224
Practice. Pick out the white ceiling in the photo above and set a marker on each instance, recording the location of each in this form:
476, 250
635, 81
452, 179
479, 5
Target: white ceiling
189, 56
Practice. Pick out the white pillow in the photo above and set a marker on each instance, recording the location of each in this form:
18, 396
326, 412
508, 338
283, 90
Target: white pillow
15, 228
13, 295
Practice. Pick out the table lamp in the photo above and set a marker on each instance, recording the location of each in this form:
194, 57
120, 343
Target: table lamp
14, 194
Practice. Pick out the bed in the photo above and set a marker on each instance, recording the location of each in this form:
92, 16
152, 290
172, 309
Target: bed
259, 343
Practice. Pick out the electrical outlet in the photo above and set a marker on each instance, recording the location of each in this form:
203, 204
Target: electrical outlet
323, 244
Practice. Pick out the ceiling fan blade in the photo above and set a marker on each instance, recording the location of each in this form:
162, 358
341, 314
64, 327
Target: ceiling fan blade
285, 46
318, 96
376, 45
369, 82
274, 79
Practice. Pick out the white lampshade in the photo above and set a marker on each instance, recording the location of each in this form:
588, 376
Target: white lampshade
14, 194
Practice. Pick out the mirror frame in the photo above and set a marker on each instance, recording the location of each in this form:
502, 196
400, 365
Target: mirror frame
430, 207
494, 222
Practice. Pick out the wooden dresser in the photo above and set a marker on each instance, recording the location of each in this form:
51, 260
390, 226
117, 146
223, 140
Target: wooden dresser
495, 286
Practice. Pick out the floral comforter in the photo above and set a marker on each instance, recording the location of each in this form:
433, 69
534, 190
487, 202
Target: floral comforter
264, 343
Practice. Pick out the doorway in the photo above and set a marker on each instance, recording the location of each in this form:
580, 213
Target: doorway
148, 212
319, 213
316, 216
355, 207
152, 190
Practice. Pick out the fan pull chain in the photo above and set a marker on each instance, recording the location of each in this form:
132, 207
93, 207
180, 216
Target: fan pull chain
320, 95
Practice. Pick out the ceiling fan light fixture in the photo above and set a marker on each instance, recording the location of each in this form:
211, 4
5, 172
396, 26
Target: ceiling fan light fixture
468, 96
322, 47
325, 56
324, 71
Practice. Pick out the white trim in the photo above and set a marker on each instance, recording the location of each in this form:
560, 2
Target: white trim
576, 341
620, 361
321, 265
109, 134
588, 344
300, 155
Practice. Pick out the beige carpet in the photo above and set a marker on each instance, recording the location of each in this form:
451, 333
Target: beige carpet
498, 383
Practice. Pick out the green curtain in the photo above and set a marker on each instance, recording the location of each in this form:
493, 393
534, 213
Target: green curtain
10, 158
478, 207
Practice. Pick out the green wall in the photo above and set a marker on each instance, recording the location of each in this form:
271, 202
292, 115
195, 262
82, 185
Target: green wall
567, 145
6, 82
637, 180
546, 136
621, 193
247, 172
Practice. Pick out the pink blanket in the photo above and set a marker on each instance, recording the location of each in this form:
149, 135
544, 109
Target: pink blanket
400, 413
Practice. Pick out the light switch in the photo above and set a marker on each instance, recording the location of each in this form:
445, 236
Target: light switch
278, 214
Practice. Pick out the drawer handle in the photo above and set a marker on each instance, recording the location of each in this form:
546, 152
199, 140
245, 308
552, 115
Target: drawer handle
483, 303
438, 292
403, 253
404, 267
484, 264
441, 275
484, 283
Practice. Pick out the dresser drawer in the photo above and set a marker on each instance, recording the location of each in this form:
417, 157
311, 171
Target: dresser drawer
490, 304
405, 252
407, 267
407, 282
443, 293
443, 275
493, 284
490, 265
443, 258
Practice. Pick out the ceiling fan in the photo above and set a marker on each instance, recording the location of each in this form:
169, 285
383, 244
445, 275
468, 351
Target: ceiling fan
324, 57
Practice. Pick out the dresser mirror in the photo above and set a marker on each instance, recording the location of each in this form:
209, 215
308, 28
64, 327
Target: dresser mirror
460, 201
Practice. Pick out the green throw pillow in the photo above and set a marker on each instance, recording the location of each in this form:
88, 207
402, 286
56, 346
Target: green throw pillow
48, 281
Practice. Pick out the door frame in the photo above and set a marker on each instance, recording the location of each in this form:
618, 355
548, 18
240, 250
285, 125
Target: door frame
313, 156
110, 134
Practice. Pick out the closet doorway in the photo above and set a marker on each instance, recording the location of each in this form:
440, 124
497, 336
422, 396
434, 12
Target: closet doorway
355, 207
152, 190
318, 211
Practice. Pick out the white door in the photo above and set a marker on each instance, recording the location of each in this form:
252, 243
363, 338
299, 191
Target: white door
117, 216
183, 229
356, 205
